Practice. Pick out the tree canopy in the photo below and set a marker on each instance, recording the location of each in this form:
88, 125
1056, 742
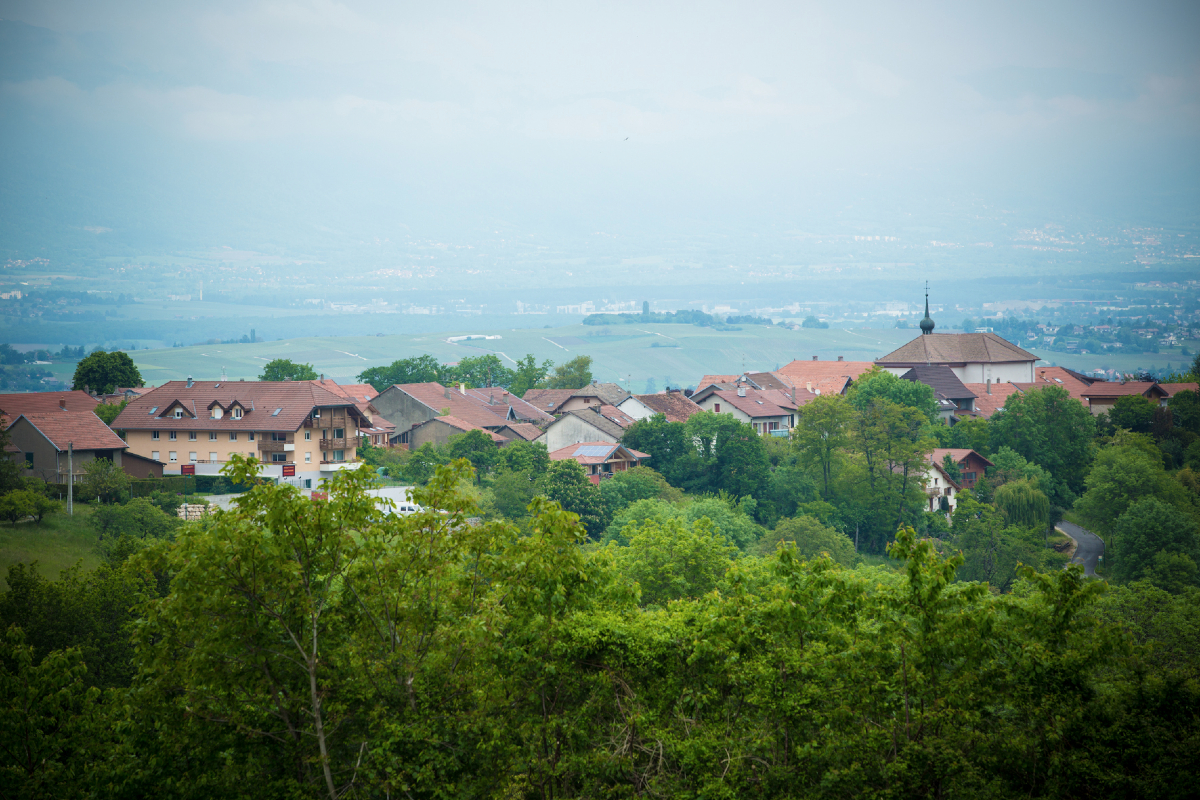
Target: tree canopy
102, 372
282, 369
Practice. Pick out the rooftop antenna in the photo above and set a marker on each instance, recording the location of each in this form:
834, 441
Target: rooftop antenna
223, 376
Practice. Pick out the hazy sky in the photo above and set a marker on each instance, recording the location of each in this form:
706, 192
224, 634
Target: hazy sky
580, 114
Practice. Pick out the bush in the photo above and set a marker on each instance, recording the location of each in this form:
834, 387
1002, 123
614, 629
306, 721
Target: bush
812, 539
139, 518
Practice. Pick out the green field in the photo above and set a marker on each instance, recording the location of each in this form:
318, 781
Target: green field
56, 543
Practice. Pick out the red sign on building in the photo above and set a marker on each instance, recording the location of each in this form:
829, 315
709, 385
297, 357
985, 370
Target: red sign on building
289, 470
187, 469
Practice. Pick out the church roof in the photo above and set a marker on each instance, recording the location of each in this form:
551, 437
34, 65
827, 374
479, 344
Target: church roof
956, 348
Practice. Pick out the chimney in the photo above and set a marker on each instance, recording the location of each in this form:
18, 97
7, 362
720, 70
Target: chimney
814, 358
462, 388
741, 391
793, 392
62, 403
808, 386
446, 392
989, 385
189, 383
840, 358
322, 377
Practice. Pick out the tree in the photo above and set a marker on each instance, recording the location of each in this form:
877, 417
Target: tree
574, 374
17, 505
811, 540
665, 442
891, 452
110, 411
672, 560
1122, 475
1050, 428
476, 447
512, 493
631, 485
102, 372
529, 374
567, 484
521, 456
485, 371
104, 480
951, 466
1023, 505
1185, 410
282, 369
417, 369
993, 551
879, 383
1133, 412
1148, 528
140, 518
820, 435
971, 434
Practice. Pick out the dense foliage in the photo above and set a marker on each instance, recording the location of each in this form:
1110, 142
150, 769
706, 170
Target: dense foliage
102, 372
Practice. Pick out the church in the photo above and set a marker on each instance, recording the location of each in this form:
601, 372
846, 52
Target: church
972, 357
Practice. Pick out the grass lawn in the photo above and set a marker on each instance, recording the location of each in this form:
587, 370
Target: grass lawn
58, 542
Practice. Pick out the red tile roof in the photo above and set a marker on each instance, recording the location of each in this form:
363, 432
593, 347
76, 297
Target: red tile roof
956, 348
752, 405
673, 405
548, 400
1105, 389
956, 453
295, 400
434, 396
987, 404
83, 429
1173, 389
462, 425
524, 430
13, 405
604, 452
710, 380
1057, 376
500, 399
837, 373
360, 393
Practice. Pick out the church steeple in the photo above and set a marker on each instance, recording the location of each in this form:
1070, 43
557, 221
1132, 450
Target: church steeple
927, 323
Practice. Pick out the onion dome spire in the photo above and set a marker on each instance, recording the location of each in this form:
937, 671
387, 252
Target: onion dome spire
927, 323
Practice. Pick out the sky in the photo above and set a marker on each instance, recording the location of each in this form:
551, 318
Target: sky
184, 123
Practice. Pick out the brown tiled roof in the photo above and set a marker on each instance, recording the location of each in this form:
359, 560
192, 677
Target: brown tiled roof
500, 399
1173, 389
752, 404
988, 404
1058, 376
1115, 389
360, 393
13, 405
83, 429
956, 348
463, 406
600, 421
608, 393
294, 400
673, 405
568, 452
783, 399
709, 380
816, 372
956, 453
941, 379
523, 430
462, 425
548, 400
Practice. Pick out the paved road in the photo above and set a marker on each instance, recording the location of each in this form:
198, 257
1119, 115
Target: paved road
1090, 546
397, 494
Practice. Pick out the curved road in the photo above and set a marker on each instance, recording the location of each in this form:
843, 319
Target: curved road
1089, 546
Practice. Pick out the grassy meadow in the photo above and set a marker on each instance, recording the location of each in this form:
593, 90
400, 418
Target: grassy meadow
58, 542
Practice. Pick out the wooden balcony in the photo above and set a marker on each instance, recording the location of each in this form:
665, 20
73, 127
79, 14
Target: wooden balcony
268, 446
339, 444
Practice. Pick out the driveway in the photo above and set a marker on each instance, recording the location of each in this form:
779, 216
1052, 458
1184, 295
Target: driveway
1089, 547
397, 494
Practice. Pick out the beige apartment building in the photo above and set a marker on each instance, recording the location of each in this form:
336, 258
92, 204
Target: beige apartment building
294, 424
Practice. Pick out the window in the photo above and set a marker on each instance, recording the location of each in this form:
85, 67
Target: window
154, 455
250, 436
278, 437
339, 455
968, 476
154, 435
308, 458
29, 460
174, 456
191, 436
339, 433
213, 457
237, 413
217, 412
192, 456
308, 436
279, 456
172, 436
717, 407
232, 436
308, 483
179, 413
212, 436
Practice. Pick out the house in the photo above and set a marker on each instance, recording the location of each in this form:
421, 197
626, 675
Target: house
496, 399
824, 377
44, 440
600, 459
296, 428
548, 400
1103, 395
940, 487
1173, 389
971, 465
991, 397
594, 394
749, 405
1073, 382
122, 393
437, 431
671, 404
973, 357
408, 405
601, 424
949, 392
520, 431
13, 405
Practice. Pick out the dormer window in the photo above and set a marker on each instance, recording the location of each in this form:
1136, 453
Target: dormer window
178, 413
237, 413
217, 412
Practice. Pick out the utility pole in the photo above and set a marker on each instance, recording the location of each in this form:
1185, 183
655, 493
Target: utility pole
71, 479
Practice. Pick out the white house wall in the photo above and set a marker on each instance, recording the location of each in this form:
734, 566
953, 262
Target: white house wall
572, 430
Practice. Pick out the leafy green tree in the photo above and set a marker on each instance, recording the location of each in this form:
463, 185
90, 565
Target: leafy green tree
671, 560
971, 434
1185, 410
1122, 475
567, 484
811, 540
110, 411
735, 522
891, 453
17, 505
992, 550
951, 466
101, 372
665, 442
529, 374
878, 383
423, 462
486, 370
821, 434
1149, 527
282, 369
417, 369
1024, 505
478, 448
574, 374
1049, 428
638, 483
104, 480
530, 457
140, 518
512, 492
1133, 412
